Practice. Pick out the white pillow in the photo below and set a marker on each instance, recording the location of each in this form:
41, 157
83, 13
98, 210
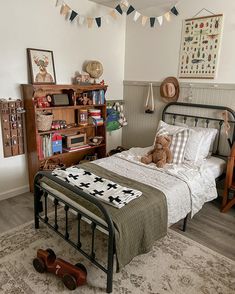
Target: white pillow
200, 143
169, 129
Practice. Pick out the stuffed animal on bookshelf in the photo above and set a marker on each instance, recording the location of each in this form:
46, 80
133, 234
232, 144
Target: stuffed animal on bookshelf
40, 98
160, 154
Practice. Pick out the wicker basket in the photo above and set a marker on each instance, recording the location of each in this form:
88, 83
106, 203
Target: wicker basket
44, 121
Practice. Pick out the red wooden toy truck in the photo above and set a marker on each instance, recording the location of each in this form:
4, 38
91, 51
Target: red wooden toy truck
72, 275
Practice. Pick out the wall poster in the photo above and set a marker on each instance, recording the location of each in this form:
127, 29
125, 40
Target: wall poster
200, 46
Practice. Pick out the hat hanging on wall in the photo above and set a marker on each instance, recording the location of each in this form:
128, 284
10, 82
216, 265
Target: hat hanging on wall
170, 89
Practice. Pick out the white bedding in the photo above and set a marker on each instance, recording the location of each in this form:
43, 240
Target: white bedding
186, 187
172, 181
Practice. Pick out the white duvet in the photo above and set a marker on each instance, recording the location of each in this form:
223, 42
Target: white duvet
186, 187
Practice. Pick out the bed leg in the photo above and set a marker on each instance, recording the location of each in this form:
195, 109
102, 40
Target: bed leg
109, 288
37, 206
185, 223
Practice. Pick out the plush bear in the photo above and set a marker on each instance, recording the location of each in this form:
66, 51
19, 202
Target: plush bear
161, 153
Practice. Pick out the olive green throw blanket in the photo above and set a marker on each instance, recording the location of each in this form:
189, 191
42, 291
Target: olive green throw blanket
138, 224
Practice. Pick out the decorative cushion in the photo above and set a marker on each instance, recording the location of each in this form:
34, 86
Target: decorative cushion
178, 144
179, 139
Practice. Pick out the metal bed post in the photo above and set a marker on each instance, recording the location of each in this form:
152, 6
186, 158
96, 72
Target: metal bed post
40, 192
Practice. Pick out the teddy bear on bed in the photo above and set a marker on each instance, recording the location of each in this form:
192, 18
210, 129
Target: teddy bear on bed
161, 153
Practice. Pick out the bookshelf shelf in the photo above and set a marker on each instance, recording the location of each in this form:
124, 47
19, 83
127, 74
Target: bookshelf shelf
69, 107
67, 130
62, 155
69, 114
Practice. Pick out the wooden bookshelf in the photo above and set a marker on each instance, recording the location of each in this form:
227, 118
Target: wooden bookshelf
67, 113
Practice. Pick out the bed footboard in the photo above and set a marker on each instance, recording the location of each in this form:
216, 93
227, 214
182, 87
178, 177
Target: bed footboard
41, 199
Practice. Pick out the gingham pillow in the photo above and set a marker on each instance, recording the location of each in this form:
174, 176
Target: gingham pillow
179, 138
178, 144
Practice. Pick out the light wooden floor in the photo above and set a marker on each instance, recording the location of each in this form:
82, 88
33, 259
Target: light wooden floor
209, 227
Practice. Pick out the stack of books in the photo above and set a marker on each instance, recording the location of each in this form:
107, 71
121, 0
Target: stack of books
74, 149
95, 117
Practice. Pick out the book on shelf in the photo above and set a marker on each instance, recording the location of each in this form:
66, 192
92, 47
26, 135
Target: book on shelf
98, 97
73, 149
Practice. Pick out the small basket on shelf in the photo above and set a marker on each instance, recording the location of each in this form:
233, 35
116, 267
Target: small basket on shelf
44, 121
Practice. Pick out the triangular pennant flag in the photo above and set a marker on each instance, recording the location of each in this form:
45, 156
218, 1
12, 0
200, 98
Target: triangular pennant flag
113, 14
167, 16
119, 9
98, 21
130, 10
160, 20
152, 21
58, 2
106, 18
64, 9
174, 11
144, 20
136, 16
81, 20
125, 3
90, 22
73, 15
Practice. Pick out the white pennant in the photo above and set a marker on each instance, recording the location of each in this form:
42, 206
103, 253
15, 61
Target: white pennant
58, 2
125, 3
81, 20
136, 16
107, 19
160, 20
167, 16
144, 20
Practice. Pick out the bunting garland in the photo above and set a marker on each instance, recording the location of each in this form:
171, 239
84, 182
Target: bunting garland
124, 6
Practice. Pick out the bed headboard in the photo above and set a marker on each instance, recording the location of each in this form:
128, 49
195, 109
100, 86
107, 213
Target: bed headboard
204, 116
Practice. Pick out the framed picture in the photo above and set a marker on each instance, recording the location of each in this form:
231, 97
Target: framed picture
200, 47
41, 66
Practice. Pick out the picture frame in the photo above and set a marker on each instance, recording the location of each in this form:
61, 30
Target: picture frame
41, 66
200, 47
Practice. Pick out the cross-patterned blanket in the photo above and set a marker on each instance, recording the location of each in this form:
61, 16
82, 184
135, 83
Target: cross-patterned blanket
106, 190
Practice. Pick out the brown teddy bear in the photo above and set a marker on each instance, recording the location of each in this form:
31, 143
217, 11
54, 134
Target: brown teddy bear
161, 153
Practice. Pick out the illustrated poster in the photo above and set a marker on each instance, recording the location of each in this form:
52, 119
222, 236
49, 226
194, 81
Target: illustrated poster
200, 46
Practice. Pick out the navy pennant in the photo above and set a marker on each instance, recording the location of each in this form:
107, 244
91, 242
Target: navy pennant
73, 15
119, 9
152, 21
174, 11
98, 21
130, 10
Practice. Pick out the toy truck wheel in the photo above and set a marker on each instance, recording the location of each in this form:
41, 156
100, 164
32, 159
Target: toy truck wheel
81, 267
51, 252
69, 282
39, 265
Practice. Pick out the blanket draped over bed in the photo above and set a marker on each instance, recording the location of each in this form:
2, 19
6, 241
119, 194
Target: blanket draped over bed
138, 224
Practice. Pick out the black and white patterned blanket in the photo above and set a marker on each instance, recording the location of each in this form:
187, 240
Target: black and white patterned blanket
105, 190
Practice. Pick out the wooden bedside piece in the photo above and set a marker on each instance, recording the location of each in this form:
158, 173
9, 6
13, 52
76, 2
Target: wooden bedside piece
229, 182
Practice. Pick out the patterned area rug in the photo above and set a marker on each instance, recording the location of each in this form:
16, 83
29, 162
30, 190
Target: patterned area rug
175, 265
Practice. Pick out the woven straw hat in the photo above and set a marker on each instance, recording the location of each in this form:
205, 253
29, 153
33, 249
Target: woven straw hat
170, 89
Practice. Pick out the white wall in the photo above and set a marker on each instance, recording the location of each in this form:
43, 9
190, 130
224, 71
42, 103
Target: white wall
153, 54
38, 24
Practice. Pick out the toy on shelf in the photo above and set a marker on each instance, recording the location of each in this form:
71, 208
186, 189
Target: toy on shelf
41, 99
72, 275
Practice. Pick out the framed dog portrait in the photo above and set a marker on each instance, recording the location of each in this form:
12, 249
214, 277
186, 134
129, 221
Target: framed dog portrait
41, 66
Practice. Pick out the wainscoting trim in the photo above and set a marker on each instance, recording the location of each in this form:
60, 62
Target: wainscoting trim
214, 86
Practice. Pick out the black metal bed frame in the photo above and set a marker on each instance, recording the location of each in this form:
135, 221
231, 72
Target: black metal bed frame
207, 121
41, 195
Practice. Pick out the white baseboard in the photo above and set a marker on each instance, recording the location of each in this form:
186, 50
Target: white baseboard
14, 192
